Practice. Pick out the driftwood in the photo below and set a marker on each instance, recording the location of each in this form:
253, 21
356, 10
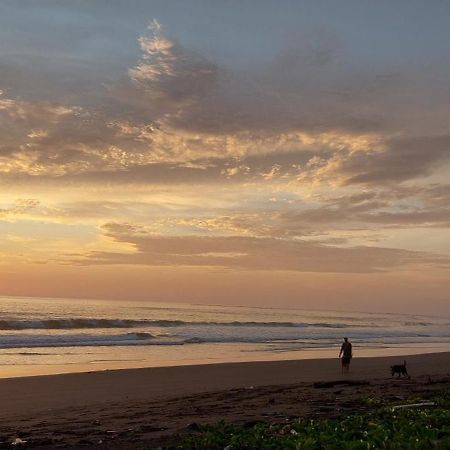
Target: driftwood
329, 384
413, 405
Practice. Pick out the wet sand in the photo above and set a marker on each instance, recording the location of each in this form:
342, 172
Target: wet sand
135, 407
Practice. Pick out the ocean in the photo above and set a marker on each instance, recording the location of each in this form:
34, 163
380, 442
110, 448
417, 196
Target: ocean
42, 336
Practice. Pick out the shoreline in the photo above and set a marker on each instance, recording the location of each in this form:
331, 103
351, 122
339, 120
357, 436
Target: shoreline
36, 370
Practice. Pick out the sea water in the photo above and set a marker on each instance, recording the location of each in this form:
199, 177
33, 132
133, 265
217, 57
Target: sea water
42, 336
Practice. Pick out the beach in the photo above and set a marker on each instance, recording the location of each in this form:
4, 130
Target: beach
224, 225
132, 408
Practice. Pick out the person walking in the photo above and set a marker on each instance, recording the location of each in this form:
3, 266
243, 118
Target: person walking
346, 355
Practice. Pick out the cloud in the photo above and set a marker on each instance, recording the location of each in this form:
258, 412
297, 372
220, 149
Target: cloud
383, 161
404, 158
305, 118
169, 71
251, 253
20, 206
47, 139
439, 217
404, 207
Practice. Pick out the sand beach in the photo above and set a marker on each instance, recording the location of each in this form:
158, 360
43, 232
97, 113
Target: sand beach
148, 408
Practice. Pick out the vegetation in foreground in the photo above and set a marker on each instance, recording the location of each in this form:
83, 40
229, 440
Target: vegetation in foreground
384, 428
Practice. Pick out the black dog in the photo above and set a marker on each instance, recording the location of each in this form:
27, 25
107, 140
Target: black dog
400, 369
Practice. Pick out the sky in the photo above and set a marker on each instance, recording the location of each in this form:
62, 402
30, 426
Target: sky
266, 153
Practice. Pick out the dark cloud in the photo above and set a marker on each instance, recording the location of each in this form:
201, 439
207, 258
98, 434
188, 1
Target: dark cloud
169, 71
405, 207
439, 217
180, 115
404, 158
435, 195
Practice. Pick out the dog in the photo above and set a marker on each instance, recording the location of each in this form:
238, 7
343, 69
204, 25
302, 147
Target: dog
400, 369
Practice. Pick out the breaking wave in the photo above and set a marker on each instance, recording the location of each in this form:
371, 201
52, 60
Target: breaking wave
77, 340
83, 323
210, 335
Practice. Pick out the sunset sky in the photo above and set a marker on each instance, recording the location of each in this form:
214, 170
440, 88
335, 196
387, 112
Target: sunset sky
276, 153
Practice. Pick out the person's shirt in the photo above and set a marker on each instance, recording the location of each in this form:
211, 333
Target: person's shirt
346, 349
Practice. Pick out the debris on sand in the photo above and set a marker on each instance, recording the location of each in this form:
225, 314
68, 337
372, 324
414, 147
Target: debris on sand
413, 405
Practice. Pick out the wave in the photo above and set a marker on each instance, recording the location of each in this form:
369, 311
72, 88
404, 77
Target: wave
25, 341
79, 340
87, 323
92, 323
68, 324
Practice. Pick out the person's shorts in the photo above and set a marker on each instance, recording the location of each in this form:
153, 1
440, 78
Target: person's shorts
346, 360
